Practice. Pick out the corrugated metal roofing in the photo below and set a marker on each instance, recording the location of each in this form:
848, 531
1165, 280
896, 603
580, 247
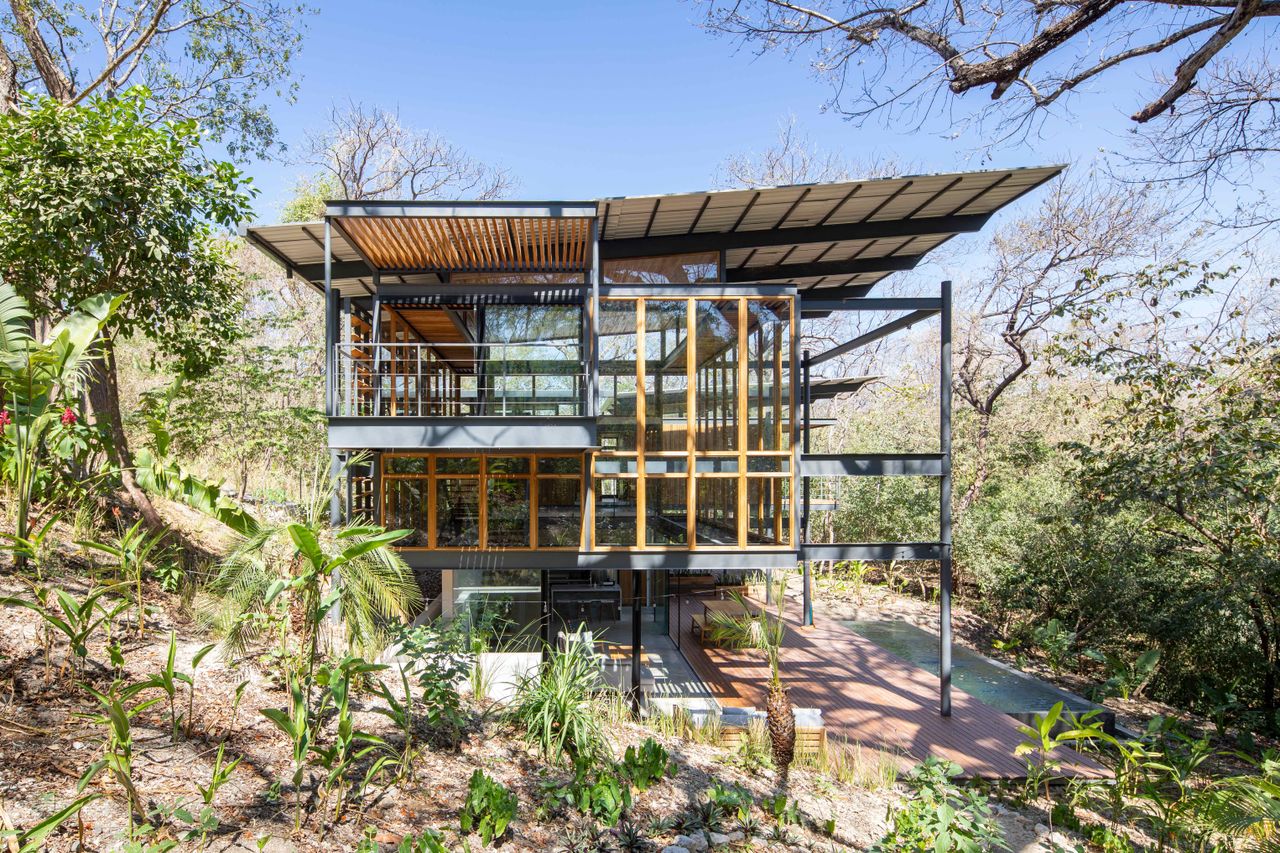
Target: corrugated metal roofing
873, 228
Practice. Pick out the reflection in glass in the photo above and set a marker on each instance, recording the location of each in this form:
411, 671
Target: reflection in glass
615, 512
457, 464
560, 465
663, 269
501, 608
507, 465
768, 511
405, 508
768, 375
666, 378
666, 513
508, 513
617, 423
717, 502
559, 512
404, 464
457, 513
532, 359
716, 354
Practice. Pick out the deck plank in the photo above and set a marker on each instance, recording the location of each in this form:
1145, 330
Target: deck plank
868, 696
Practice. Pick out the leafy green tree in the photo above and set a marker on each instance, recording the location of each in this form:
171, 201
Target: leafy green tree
259, 414
209, 62
1192, 439
98, 199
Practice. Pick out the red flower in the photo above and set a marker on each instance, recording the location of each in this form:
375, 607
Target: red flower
5, 420
68, 417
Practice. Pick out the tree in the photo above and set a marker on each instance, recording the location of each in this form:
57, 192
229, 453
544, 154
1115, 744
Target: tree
208, 61
1040, 269
97, 199
366, 152
1192, 439
260, 412
765, 633
793, 158
901, 60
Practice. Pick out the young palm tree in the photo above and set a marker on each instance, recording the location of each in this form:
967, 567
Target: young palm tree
764, 633
311, 569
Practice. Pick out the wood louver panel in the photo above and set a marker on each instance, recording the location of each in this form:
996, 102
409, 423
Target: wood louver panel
472, 244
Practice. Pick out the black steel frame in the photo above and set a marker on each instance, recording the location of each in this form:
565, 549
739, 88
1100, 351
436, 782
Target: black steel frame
805, 463
936, 465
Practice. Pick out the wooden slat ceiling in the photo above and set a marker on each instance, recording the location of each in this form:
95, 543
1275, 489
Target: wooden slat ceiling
418, 246
472, 244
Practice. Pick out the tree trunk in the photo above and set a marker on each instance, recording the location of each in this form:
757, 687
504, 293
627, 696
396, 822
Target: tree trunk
782, 730
1270, 661
104, 398
981, 469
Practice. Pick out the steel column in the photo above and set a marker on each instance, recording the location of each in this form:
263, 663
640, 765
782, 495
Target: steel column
635, 641
807, 596
944, 507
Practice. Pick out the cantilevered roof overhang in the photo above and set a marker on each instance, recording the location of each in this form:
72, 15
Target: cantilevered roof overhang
842, 236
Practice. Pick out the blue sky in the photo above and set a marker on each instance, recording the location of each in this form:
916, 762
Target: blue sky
585, 99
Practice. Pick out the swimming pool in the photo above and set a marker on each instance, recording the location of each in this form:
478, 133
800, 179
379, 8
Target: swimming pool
1002, 687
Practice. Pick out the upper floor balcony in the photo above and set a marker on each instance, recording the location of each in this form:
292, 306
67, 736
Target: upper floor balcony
461, 379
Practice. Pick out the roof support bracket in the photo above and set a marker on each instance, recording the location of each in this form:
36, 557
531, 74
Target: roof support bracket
874, 335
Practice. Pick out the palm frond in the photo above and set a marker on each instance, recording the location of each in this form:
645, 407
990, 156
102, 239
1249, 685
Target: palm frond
1244, 807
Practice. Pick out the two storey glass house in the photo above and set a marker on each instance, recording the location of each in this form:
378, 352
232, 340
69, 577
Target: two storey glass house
573, 404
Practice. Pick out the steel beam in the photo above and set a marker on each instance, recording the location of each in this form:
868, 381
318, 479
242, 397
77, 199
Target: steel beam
872, 551
551, 560
637, 247
874, 335
867, 303
871, 465
470, 432
708, 290
484, 294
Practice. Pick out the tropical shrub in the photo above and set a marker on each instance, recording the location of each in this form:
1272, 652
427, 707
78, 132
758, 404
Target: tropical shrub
647, 765
40, 383
764, 633
489, 808
554, 708
353, 569
438, 656
939, 815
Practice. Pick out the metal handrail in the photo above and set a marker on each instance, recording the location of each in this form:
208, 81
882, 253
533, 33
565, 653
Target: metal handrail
535, 378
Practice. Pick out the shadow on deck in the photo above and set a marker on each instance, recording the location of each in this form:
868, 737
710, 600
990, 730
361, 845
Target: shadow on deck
868, 696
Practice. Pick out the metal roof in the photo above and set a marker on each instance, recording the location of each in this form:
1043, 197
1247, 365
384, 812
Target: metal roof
843, 235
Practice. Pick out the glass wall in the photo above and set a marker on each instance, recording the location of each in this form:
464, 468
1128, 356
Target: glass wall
484, 501
695, 443
689, 268
701, 458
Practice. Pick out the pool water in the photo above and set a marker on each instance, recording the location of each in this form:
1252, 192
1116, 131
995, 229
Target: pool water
1002, 687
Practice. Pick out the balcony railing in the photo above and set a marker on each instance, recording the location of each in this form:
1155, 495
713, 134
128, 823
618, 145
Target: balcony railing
457, 379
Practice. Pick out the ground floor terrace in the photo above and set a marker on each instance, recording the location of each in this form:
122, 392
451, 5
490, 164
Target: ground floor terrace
645, 630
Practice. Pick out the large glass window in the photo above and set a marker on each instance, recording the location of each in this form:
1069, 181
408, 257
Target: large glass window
663, 269
717, 375
457, 512
618, 377
730, 431
484, 501
666, 375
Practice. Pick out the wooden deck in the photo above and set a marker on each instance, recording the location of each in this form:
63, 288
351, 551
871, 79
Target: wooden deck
869, 697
